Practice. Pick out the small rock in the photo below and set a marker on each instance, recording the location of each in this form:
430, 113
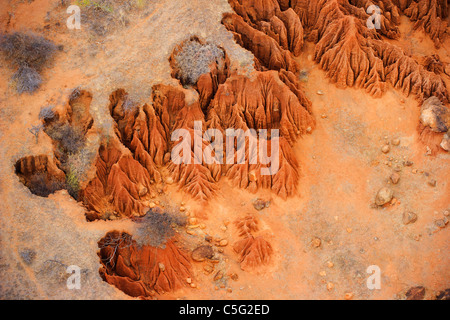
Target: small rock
169, 180
218, 276
320, 93
303, 76
208, 238
432, 183
234, 277
330, 264
189, 280
349, 296
396, 142
223, 243
330, 286
395, 178
440, 223
445, 144
435, 115
385, 149
143, 191
252, 176
408, 163
202, 253
446, 213
260, 204
151, 205
409, 217
384, 196
162, 267
316, 243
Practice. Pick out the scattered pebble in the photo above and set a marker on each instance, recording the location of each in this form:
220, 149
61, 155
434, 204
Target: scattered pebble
260, 204
408, 163
440, 223
384, 196
223, 243
385, 149
330, 286
218, 276
409, 217
316, 243
202, 253
395, 178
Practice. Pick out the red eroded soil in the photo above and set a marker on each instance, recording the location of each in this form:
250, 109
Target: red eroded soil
357, 109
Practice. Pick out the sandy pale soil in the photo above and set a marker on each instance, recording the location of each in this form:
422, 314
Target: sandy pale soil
322, 239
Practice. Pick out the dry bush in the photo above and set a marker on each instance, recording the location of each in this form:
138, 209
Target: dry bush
194, 59
157, 226
27, 49
26, 79
30, 53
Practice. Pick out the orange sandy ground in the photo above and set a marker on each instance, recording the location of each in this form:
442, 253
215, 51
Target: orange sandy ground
342, 169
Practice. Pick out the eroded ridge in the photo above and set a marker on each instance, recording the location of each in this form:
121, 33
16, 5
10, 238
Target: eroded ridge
142, 271
40, 174
429, 15
270, 100
350, 52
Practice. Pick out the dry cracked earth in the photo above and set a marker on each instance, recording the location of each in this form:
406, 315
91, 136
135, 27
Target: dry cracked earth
88, 181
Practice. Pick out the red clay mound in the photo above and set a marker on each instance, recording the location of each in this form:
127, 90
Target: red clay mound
265, 102
429, 15
119, 187
142, 271
266, 50
40, 175
350, 52
253, 252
